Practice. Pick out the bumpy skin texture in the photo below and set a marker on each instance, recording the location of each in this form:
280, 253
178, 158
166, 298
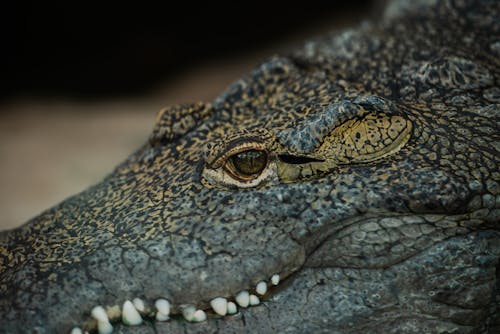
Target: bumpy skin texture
380, 200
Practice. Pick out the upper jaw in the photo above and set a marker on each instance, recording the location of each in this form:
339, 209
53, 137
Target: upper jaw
200, 269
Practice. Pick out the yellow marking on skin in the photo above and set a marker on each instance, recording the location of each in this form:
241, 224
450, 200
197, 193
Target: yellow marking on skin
374, 137
150, 233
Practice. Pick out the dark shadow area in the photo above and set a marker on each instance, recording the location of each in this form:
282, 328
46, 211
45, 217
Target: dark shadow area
94, 51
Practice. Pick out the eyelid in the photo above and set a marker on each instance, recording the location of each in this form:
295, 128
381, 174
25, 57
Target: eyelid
241, 147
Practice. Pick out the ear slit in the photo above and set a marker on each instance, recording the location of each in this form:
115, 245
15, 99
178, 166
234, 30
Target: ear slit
297, 160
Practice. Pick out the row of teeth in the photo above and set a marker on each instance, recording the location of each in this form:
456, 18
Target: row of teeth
131, 310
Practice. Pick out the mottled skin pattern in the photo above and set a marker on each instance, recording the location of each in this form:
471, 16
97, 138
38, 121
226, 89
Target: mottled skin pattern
379, 201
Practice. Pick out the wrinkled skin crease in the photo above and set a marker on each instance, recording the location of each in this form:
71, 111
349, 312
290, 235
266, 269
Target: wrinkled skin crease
408, 242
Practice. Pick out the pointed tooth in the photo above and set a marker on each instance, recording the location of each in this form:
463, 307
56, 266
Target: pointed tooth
219, 305
231, 308
243, 298
163, 307
76, 330
188, 312
139, 304
261, 288
275, 279
199, 316
254, 300
99, 314
130, 316
103, 325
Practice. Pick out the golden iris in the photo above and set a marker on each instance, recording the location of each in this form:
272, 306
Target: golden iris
247, 164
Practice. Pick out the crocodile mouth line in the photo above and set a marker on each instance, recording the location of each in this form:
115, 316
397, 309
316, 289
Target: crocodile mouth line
138, 311
135, 312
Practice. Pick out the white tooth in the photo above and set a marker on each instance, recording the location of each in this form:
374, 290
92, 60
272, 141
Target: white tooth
103, 325
199, 316
243, 298
161, 317
275, 279
99, 314
163, 307
261, 288
231, 308
130, 316
76, 330
219, 305
138, 304
254, 300
188, 312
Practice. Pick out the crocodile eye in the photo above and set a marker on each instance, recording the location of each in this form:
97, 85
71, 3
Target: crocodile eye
240, 159
247, 165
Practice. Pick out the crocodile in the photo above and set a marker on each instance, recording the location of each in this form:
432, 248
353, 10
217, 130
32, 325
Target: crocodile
349, 186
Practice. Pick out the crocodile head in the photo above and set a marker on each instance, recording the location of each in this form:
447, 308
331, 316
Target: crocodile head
352, 186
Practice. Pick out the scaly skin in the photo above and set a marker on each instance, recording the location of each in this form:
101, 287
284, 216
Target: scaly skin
378, 198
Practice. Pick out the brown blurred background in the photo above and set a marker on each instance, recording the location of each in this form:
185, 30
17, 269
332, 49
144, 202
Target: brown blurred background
80, 86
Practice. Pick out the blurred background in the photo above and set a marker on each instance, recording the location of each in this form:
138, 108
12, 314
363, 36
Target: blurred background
81, 84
